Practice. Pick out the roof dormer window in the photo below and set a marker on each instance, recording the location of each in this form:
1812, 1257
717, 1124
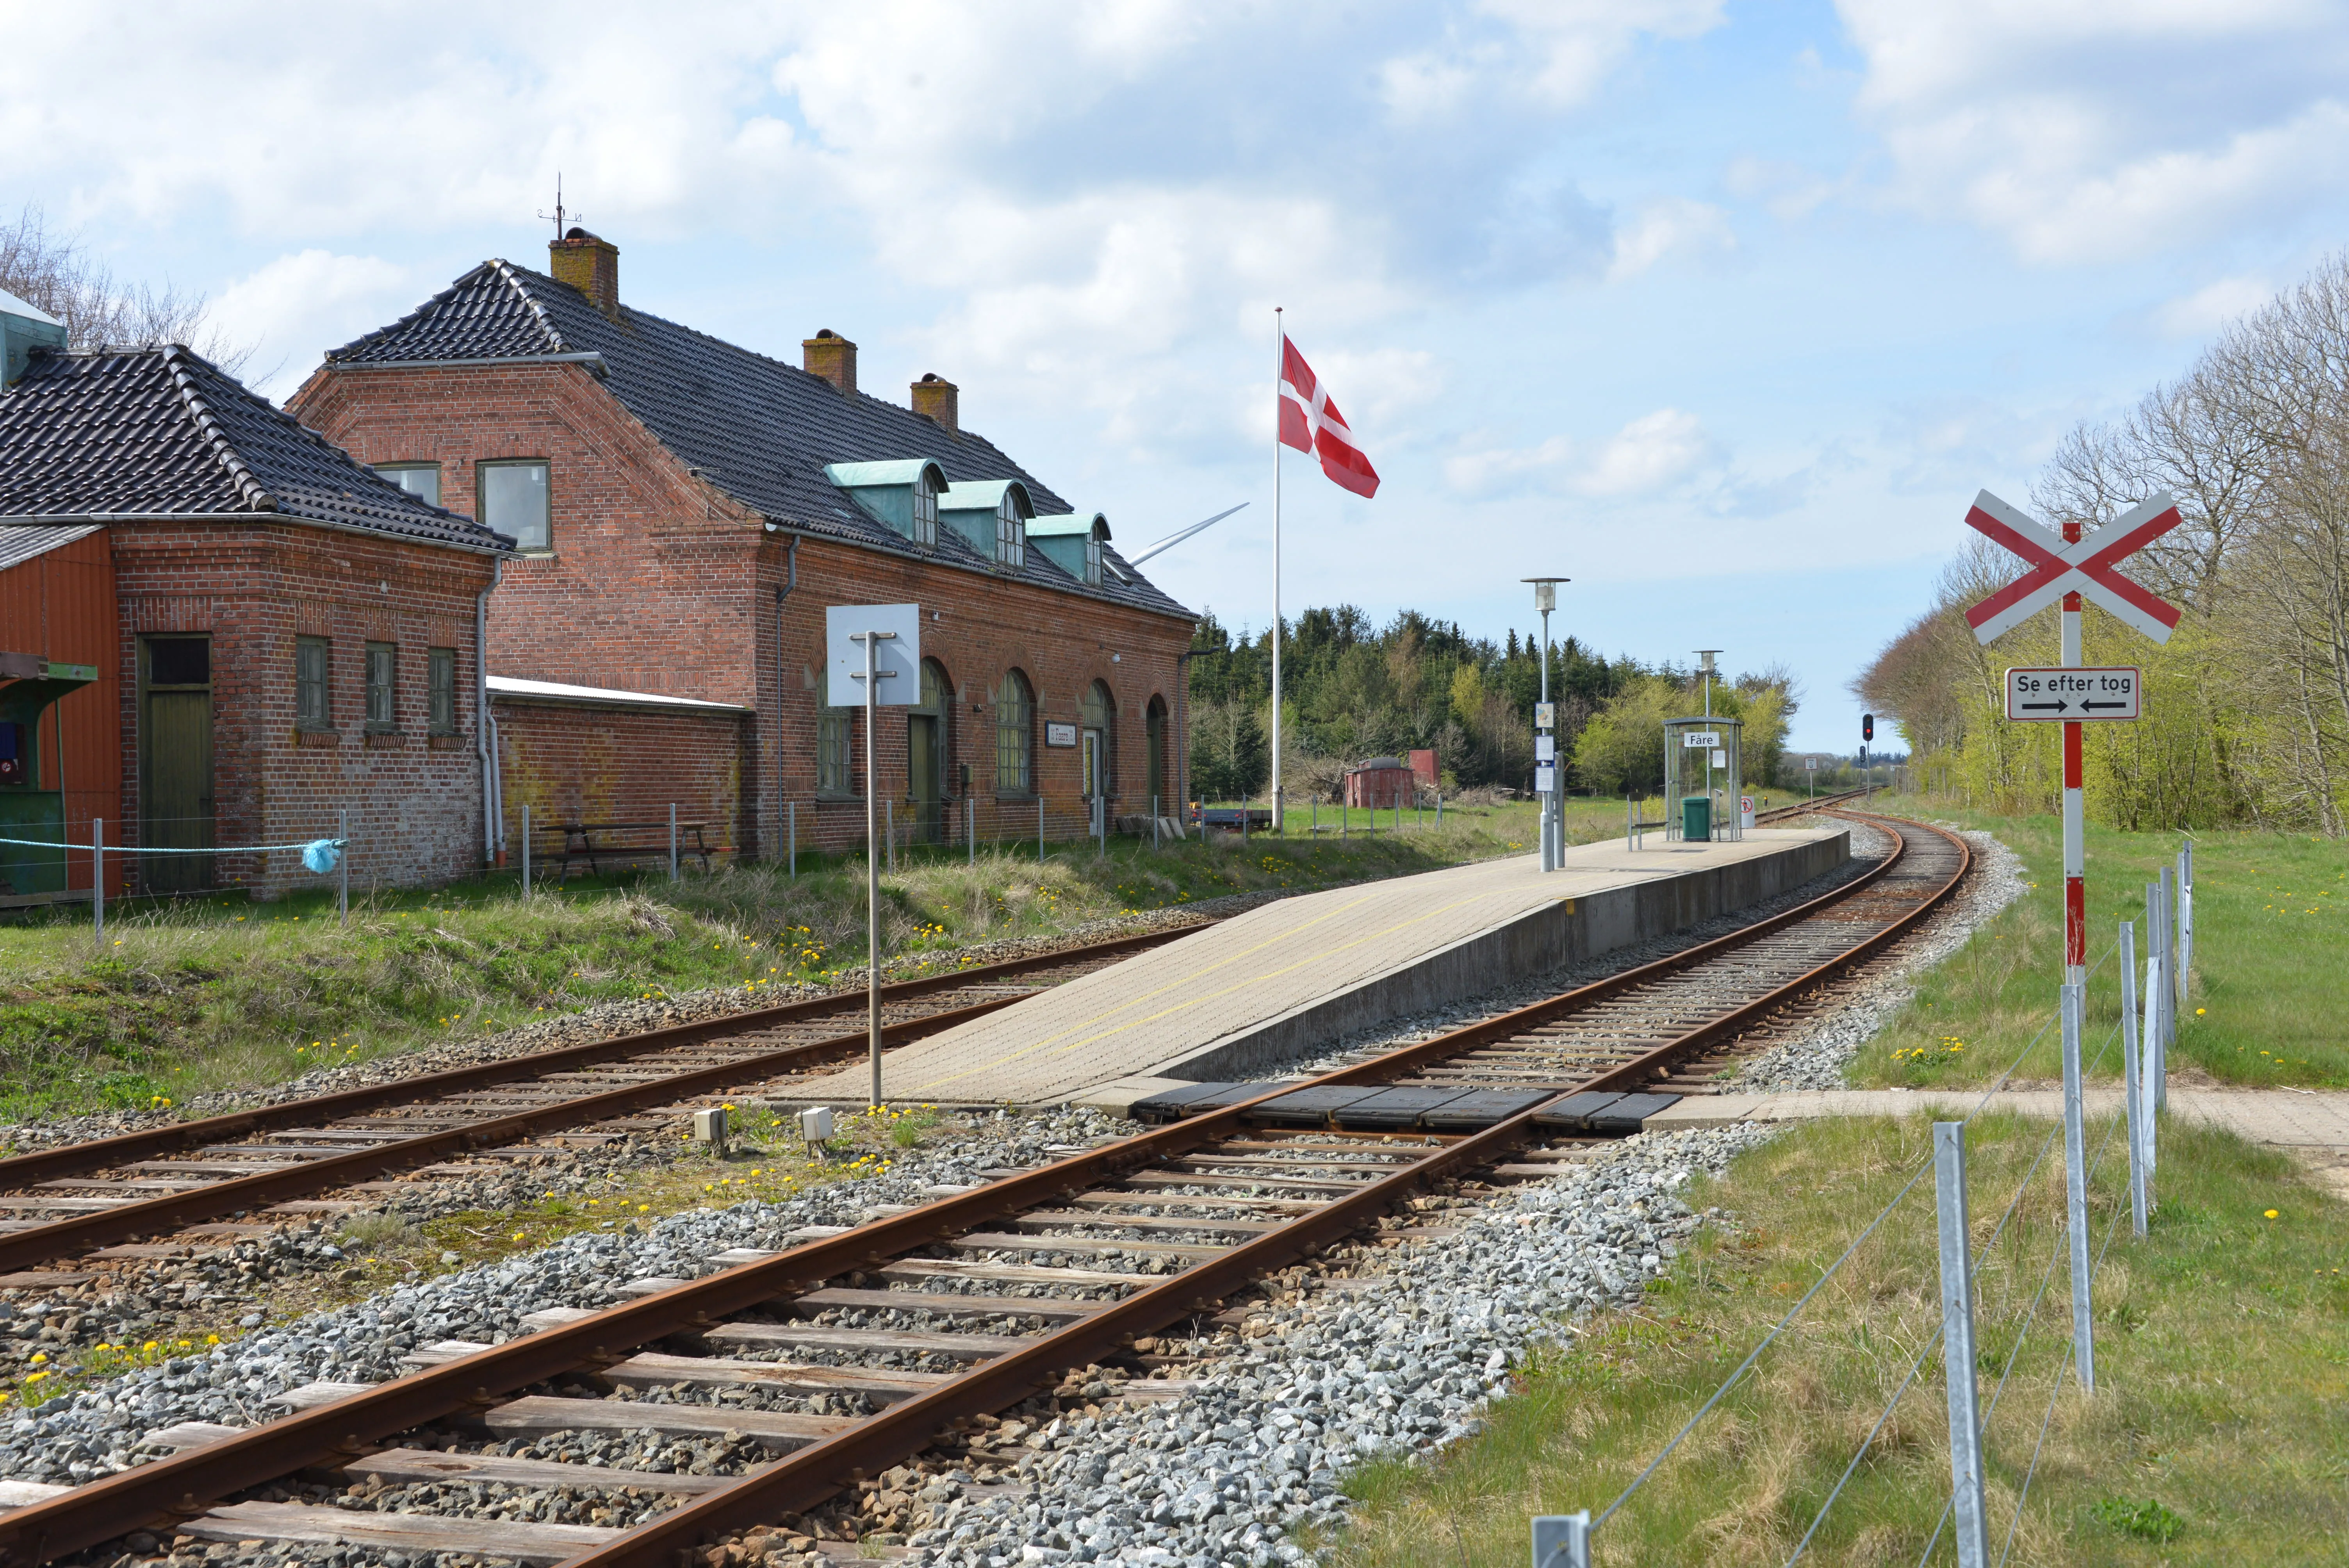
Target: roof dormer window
1010, 534
926, 511
1073, 543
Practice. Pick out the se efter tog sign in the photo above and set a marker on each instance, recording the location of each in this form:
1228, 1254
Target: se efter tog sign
2045, 695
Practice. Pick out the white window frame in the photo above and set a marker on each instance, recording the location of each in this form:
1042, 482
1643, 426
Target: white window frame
481, 491
1010, 534
925, 513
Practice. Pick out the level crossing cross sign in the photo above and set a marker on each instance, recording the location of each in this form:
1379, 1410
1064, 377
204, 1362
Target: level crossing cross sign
2069, 567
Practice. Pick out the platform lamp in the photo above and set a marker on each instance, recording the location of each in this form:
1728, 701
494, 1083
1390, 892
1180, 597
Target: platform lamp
1704, 661
1545, 718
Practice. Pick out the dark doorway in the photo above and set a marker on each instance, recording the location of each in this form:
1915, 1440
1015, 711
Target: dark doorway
925, 755
1154, 761
175, 760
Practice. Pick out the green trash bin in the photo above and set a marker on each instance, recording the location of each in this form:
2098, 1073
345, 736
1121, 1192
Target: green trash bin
1696, 818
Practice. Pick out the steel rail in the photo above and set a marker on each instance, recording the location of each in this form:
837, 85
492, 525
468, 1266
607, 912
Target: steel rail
75, 1159
238, 1194
186, 1484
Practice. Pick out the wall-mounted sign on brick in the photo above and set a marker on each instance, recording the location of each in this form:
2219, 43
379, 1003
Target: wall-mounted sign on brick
1060, 734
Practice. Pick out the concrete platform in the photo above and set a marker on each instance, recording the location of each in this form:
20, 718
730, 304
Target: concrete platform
1285, 980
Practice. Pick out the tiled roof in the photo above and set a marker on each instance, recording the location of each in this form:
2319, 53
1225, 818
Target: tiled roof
757, 429
165, 432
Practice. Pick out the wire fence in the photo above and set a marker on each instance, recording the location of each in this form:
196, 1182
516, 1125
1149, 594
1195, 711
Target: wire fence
2147, 1026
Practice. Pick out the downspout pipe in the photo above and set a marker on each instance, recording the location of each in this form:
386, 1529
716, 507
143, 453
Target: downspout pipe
485, 728
783, 665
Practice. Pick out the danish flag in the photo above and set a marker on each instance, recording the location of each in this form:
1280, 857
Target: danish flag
1312, 423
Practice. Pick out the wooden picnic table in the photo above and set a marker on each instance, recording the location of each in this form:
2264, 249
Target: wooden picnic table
580, 842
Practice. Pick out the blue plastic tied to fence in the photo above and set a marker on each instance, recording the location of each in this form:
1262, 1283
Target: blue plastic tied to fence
321, 855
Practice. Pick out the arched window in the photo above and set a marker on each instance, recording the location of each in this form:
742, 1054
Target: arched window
1015, 736
1010, 532
926, 511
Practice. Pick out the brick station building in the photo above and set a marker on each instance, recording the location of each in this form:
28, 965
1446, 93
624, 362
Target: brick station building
688, 509
279, 635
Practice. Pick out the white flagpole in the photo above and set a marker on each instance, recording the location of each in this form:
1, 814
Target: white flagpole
1279, 345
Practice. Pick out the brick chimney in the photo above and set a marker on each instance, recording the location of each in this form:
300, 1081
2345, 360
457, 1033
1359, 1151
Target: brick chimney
831, 357
589, 265
935, 397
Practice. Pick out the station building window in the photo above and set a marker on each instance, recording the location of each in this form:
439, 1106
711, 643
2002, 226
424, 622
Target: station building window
313, 665
514, 500
1015, 736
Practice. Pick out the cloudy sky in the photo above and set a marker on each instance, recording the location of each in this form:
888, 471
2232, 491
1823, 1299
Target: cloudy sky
1723, 310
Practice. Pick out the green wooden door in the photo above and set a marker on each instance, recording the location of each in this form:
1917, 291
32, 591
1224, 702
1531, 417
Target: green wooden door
176, 763
925, 772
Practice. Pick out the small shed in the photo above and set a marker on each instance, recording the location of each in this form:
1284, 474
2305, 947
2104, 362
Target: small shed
1381, 781
1423, 769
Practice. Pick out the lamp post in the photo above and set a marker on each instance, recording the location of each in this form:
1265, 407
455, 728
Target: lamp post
1704, 660
1546, 730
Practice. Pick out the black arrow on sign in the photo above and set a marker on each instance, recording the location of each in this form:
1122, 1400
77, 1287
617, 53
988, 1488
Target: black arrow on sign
2091, 706
2032, 706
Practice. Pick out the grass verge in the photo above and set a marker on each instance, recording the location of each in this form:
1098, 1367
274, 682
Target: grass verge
193, 996
2271, 959
2216, 1434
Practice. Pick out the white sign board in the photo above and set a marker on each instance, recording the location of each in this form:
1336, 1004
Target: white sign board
1060, 734
1812, 763
1545, 779
1544, 715
898, 659
2042, 694
1720, 760
1545, 748
1699, 739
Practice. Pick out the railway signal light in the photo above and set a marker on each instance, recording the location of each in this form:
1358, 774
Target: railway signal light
1868, 726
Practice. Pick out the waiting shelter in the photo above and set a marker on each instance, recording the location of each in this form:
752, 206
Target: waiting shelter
1703, 768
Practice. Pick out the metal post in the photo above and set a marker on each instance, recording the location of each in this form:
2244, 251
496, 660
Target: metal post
2132, 1079
1562, 1539
1630, 822
2173, 999
970, 824
1966, 1504
343, 866
1439, 811
792, 812
97, 875
672, 841
525, 850
871, 642
1153, 822
889, 831
1244, 821
2157, 1001
2185, 919
1317, 815
2075, 1191
1039, 829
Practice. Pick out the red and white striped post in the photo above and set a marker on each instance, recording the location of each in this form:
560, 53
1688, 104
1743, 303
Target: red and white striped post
2076, 881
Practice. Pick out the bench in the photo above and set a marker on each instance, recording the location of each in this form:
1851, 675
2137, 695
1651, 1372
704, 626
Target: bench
598, 844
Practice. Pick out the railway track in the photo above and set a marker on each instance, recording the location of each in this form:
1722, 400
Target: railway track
280, 1162
1003, 1287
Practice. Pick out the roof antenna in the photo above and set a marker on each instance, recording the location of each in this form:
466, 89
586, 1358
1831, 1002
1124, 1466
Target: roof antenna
558, 215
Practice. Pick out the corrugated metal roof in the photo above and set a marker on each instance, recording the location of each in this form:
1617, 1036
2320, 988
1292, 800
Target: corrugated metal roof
759, 429
23, 542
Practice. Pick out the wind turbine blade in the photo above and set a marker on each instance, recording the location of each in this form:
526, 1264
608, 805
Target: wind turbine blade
1177, 537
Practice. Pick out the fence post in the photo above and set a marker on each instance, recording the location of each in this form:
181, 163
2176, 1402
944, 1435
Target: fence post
343, 866
1154, 824
791, 810
2158, 998
2172, 989
970, 824
1562, 1539
2132, 1079
1244, 821
97, 875
1039, 829
1966, 1505
2076, 1189
1630, 821
525, 850
2149, 1058
1439, 811
672, 841
2186, 921
1316, 816
889, 833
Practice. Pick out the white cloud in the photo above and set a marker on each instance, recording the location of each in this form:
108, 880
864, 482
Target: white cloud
1652, 453
2211, 307
284, 310
2087, 130
1664, 229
